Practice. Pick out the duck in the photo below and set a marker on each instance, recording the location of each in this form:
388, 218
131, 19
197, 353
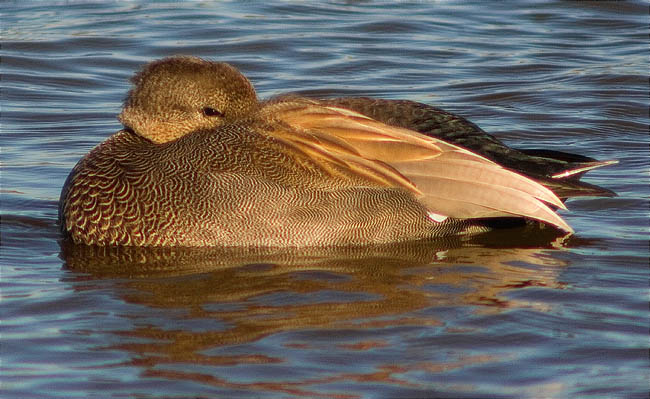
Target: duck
202, 162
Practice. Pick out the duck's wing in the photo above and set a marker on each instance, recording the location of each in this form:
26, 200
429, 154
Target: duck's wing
559, 171
425, 119
448, 180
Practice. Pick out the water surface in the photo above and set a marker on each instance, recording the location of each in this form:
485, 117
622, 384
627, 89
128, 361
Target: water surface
518, 313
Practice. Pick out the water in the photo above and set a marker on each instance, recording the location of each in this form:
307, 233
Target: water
512, 314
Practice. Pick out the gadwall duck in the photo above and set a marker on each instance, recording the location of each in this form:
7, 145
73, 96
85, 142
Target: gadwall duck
202, 162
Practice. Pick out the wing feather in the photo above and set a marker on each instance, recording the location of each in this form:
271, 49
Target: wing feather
448, 180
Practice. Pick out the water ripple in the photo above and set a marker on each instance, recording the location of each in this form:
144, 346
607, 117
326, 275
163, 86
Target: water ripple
510, 315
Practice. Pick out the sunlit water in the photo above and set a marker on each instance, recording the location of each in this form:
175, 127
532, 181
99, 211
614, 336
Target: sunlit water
512, 314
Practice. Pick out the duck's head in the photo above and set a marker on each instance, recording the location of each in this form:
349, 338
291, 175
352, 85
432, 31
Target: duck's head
178, 95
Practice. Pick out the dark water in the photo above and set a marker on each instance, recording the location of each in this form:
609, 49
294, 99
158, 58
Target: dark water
518, 314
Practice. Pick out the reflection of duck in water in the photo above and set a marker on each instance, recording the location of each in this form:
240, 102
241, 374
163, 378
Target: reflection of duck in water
202, 162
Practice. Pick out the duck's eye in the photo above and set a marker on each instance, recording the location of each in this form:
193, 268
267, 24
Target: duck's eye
207, 111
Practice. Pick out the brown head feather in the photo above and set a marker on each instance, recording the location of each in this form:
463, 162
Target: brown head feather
177, 95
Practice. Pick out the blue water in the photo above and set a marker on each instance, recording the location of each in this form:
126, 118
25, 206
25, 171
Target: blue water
515, 314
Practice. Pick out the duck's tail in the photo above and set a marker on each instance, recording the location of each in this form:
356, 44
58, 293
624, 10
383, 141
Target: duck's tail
565, 182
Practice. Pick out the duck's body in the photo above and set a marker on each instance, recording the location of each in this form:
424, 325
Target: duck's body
217, 167
203, 190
